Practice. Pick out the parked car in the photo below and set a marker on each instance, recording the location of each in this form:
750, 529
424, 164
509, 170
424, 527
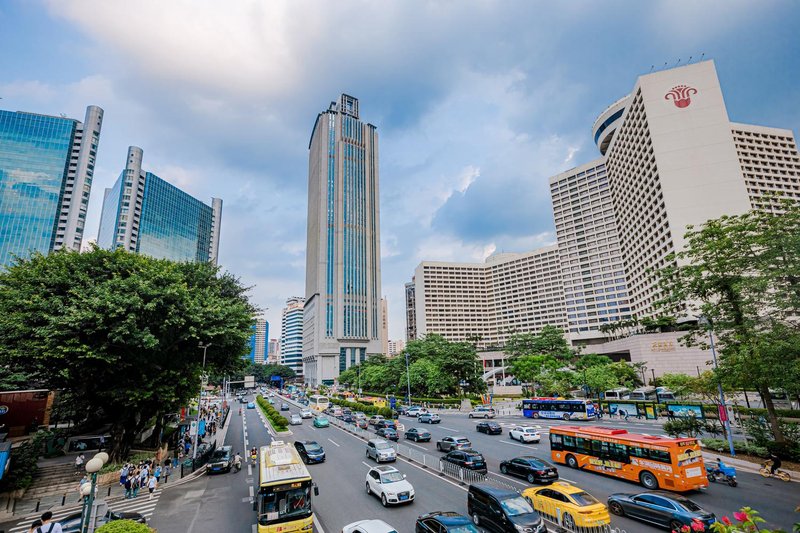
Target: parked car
660, 508
483, 412
306, 413
380, 450
429, 418
388, 433
453, 442
576, 507
368, 526
321, 421
373, 420
390, 485
502, 510
295, 420
524, 434
467, 458
220, 460
251, 405
72, 522
418, 435
530, 467
310, 451
444, 522
490, 428
284, 406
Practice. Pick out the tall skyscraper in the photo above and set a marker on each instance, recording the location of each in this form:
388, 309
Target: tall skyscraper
142, 213
46, 170
258, 342
273, 351
343, 260
291, 347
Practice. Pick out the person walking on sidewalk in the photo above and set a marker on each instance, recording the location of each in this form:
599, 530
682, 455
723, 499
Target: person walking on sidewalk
48, 526
151, 486
166, 471
128, 488
79, 463
135, 487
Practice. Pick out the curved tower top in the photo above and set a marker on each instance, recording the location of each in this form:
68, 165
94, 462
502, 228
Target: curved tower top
606, 124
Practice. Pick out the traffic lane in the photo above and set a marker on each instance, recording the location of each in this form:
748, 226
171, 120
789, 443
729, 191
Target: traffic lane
342, 483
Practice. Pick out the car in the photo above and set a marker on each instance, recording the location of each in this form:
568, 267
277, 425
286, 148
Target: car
251, 405
444, 522
414, 410
467, 458
453, 442
295, 420
524, 434
490, 428
373, 420
429, 418
368, 526
576, 507
482, 412
662, 509
349, 419
361, 423
271, 401
502, 510
390, 485
380, 450
530, 467
310, 451
391, 424
388, 433
417, 435
321, 421
203, 448
359, 415
306, 413
220, 460
284, 406
72, 522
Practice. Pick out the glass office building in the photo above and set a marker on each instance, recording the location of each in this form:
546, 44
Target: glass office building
46, 169
143, 213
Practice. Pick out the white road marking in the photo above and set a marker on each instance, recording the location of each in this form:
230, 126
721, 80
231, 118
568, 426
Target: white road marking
366, 464
317, 524
515, 444
251, 490
255, 528
448, 429
508, 478
249, 469
417, 446
334, 443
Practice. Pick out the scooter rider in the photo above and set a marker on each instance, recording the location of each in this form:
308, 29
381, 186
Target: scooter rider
237, 461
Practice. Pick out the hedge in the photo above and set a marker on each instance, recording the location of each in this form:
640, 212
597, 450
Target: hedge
124, 526
278, 421
363, 407
443, 401
719, 445
784, 413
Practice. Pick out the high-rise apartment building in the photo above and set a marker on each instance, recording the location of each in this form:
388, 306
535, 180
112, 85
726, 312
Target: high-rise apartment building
343, 269
396, 347
291, 343
487, 302
46, 171
258, 341
273, 351
142, 213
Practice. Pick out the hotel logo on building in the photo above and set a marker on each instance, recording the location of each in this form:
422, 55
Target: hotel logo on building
681, 95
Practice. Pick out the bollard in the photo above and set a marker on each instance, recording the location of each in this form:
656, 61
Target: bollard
109, 492
64, 499
37, 505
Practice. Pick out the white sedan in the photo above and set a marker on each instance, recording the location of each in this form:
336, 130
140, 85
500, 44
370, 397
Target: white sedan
368, 526
390, 485
295, 420
306, 413
525, 434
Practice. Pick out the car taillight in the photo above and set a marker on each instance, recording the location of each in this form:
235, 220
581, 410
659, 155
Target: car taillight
468, 463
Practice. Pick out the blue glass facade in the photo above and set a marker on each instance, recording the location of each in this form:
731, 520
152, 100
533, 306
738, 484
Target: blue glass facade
34, 162
110, 215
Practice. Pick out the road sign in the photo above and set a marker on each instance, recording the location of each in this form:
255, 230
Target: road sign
249, 382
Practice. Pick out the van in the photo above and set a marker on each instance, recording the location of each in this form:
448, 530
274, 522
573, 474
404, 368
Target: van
617, 394
663, 394
502, 510
643, 393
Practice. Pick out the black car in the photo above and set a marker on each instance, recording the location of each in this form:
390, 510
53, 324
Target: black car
444, 521
388, 433
348, 419
468, 458
72, 523
418, 435
661, 508
310, 451
500, 510
221, 460
490, 428
532, 468
381, 424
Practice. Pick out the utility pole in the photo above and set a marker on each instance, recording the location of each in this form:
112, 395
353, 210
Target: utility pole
408, 379
203, 347
723, 412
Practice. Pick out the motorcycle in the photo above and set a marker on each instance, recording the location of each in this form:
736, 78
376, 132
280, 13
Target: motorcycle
722, 473
237, 465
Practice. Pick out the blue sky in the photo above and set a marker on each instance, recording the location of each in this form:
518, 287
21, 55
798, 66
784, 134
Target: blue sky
477, 104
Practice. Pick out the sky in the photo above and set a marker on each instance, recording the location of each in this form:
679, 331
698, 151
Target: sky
477, 104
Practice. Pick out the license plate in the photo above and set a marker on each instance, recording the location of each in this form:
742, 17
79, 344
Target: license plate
403, 497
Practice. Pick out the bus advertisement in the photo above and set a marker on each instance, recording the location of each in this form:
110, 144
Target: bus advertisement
655, 462
558, 408
283, 502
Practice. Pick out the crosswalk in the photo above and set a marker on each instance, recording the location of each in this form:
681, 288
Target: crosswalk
141, 504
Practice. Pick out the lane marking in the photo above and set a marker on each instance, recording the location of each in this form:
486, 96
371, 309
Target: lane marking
255, 528
251, 490
365, 464
518, 445
448, 429
417, 446
249, 469
317, 524
334, 443
520, 482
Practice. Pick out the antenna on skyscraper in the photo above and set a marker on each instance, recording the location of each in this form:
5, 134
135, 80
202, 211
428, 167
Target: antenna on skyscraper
665, 64
652, 67
679, 62
702, 56
690, 60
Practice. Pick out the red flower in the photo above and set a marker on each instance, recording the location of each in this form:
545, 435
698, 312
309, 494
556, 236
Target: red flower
727, 521
741, 517
698, 526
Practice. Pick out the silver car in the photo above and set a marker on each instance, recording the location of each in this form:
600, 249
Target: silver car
380, 450
453, 442
295, 420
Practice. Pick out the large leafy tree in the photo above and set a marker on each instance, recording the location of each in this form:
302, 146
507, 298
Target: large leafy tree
549, 341
120, 331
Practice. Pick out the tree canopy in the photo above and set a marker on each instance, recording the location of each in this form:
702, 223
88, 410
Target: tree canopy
120, 331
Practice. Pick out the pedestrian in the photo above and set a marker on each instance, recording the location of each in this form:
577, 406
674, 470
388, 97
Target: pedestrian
123, 474
83, 481
36, 525
128, 488
151, 486
79, 459
670, 415
48, 526
157, 472
135, 487
166, 472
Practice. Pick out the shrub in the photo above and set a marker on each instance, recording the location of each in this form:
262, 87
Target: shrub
721, 446
124, 526
278, 421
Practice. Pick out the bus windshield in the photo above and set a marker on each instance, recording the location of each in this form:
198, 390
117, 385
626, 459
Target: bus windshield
284, 502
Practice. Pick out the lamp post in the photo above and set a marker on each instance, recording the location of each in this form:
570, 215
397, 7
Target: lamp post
408, 381
723, 407
204, 347
93, 466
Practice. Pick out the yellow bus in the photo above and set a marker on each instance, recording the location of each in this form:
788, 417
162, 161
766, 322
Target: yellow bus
319, 402
283, 501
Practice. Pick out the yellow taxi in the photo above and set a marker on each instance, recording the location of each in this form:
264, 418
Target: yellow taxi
568, 505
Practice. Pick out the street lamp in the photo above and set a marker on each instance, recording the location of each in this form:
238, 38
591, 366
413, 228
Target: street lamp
204, 347
93, 466
408, 380
723, 414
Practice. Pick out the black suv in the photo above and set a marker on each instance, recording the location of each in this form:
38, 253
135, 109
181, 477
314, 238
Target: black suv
502, 510
221, 460
469, 459
490, 428
310, 451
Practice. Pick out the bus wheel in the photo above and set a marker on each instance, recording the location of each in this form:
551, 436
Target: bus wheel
648, 480
565, 416
535, 414
571, 461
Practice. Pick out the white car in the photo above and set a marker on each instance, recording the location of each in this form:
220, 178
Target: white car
306, 413
368, 526
390, 485
525, 434
295, 420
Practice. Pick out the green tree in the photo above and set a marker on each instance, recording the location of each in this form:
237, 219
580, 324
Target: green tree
534, 370
592, 359
121, 330
680, 384
549, 341
601, 378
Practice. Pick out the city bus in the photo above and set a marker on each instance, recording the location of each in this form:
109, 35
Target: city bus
655, 462
283, 501
318, 402
558, 408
